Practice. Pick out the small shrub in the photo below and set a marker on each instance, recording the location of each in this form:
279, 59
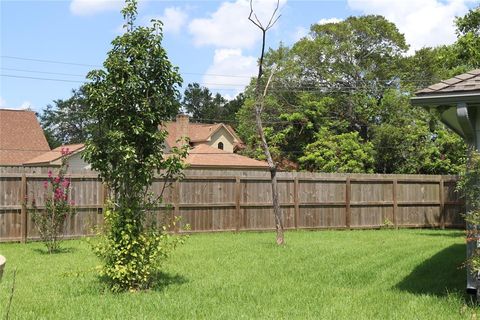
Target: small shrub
50, 222
469, 186
132, 258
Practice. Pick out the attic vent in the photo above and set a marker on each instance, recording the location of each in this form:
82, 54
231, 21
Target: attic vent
220, 145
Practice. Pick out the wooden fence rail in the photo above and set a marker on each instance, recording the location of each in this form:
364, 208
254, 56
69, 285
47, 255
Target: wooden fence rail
235, 200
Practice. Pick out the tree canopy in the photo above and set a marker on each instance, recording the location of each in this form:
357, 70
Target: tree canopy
340, 102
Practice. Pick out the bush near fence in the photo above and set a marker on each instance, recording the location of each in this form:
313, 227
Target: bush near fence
234, 200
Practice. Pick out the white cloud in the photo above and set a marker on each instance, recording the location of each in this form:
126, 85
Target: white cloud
91, 7
424, 23
26, 105
173, 18
329, 20
3, 103
228, 62
229, 27
299, 33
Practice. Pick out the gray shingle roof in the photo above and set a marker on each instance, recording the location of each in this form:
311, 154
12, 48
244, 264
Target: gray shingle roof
466, 82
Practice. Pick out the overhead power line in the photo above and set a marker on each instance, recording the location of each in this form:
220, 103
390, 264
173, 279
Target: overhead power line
51, 61
43, 72
189, 73
36, 78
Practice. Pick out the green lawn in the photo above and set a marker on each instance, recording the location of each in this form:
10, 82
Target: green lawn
374, 274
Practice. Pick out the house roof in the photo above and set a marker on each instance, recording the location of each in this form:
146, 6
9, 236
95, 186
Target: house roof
206, 156
464, 88
466, 82
55, 154
200, 156
196, 132
21, 137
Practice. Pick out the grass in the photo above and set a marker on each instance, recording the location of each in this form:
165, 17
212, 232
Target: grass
373, 274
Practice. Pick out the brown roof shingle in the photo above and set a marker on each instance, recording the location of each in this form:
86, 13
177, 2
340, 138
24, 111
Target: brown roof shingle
466, 82
55, 154
21, 137
206, 156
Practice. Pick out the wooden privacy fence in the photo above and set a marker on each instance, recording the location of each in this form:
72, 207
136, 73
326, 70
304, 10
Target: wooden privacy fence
234, 200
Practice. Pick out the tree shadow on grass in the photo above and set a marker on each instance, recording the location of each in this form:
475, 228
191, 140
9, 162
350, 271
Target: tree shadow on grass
163, 280
58, 251
439, 275
443, 233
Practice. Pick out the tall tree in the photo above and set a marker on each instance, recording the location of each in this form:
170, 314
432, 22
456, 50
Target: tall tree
201, 104
468, 42
127, 101
66, 122
259, 106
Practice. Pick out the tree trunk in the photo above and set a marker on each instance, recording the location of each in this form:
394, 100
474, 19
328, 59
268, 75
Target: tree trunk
277, 211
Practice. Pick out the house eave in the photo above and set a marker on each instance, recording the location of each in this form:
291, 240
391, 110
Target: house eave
443, 99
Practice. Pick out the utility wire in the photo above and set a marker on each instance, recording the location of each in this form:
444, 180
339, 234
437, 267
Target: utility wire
190, 73
37, 78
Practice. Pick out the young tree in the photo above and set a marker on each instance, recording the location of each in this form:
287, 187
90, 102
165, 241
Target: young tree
127, 101
259, 106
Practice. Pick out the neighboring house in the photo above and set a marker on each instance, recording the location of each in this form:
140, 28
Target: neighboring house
54, 158
218, 135
212, 146
21, 137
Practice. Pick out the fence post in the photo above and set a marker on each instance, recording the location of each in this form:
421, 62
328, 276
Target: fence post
442, 203
395, 203
296, 216
237, 203
24, 214
348, 211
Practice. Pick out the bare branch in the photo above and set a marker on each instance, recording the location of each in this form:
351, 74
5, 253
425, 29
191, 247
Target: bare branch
257, 23
270, 23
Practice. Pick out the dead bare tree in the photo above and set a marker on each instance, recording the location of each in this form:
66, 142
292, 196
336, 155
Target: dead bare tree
259, 106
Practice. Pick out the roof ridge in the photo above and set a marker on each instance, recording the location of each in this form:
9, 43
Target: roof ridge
17, 110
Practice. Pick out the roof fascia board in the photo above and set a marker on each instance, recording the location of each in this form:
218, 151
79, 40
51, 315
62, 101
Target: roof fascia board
446, 99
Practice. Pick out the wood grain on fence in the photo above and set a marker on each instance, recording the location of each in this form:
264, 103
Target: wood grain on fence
235, 200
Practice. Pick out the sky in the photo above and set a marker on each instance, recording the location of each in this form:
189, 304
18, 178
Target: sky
47, 47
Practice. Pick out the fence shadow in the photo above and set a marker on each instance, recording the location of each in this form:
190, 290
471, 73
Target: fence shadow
439, 275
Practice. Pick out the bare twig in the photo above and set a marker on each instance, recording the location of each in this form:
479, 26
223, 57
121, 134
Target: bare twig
11, 294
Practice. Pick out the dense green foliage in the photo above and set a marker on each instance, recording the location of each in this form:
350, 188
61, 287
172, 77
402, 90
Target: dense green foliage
66, 122
127, 101
404, 274
205, 107
353, 80
469, 186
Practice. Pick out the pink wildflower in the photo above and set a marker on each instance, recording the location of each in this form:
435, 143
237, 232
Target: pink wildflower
49, 173
66, 183
56, 180
45, 184
72, 203
65, 151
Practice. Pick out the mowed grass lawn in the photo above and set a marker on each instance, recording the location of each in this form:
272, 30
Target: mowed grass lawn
373, 274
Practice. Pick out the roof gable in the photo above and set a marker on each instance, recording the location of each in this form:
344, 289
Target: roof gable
21, 137
197, 132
